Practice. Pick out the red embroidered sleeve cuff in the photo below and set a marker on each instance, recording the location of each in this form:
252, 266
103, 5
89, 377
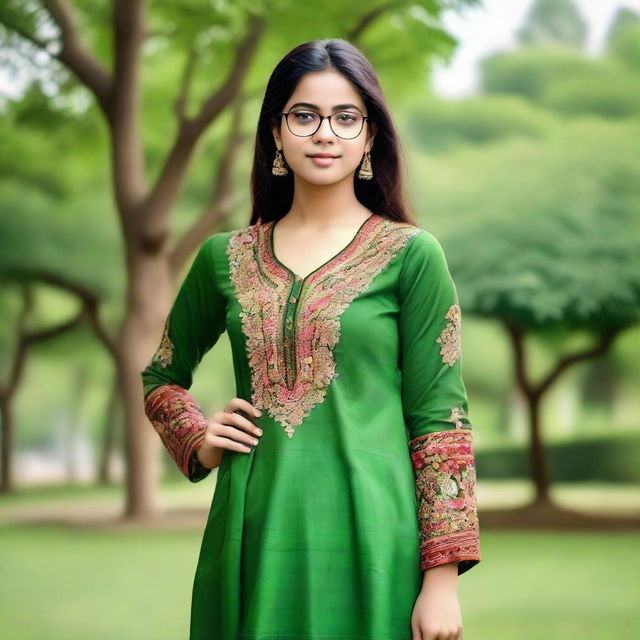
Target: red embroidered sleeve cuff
178, 419
444, 468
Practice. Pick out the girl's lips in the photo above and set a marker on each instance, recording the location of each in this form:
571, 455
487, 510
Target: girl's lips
322, 161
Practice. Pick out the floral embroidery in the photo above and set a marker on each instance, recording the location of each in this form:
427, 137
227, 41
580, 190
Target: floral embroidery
449, 338
298, 367
456, 414
444, 467
164, 353
178, 419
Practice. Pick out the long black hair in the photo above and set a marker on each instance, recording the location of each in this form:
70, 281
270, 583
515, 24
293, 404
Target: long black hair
384, 194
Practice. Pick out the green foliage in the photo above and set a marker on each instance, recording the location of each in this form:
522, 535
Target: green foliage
553, 21
543, 232
71, 240
531, 71
439, 125
623, 40
401, 40
565, 81
38, 130
17, 16
612, 93
403, 45
537, 205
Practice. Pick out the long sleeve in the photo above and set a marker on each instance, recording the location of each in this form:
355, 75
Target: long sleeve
195, 321
435, 408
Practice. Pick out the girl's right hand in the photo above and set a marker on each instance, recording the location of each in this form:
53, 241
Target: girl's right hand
228, 429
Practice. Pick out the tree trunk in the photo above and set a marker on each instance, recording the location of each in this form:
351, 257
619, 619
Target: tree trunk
537, 458
148, 302
6, 415
532, 398
113, 420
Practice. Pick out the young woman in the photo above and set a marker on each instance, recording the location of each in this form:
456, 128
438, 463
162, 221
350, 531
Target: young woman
344, 505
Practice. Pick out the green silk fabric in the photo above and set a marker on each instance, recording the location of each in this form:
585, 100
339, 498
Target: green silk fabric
314, 536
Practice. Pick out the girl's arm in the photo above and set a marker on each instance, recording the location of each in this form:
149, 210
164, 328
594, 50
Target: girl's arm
194, 324
436, 412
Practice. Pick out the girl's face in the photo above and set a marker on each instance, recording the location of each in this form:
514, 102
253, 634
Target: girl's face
329, 92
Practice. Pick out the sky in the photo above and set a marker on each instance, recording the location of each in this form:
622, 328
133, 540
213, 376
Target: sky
481, 31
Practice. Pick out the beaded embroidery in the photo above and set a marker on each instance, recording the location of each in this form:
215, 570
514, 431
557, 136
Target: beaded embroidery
164, 353
298, 367
443, 462
449, 338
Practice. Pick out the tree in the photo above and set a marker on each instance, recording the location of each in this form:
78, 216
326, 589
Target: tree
553, 21
110, 69
623, 37
549, 250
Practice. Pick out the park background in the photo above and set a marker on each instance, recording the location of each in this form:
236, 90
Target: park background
520, 128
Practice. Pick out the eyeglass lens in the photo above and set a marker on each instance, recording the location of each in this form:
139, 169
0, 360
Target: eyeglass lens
344, 124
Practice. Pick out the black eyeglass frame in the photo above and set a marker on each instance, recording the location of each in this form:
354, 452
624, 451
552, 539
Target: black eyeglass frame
306, 135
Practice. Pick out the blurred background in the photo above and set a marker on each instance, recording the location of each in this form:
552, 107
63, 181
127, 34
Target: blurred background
127, 126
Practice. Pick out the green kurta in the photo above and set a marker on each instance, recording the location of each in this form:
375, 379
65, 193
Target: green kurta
364, 475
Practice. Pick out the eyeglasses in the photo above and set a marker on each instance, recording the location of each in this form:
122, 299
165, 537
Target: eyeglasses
345, 124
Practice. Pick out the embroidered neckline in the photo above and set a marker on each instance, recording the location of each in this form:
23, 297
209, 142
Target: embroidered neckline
292, 324
270, 230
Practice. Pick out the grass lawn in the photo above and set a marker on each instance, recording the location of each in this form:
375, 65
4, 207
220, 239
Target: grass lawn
70, 583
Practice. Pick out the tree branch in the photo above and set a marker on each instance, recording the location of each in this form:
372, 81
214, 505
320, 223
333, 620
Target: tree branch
517, 334
185, 84
89, 301
354, 34
161, 198
17, 364
128, 24
221, 199
28, 338
605, 340
23, 33
76, 56
43, 335
220, 98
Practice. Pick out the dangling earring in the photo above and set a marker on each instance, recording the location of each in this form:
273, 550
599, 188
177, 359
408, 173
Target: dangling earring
365, 169
279, 168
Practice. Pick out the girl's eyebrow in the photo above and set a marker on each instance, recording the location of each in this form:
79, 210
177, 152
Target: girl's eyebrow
317, 108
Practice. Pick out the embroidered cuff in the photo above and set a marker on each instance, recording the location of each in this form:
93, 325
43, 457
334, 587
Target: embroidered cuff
178, 419
444, 468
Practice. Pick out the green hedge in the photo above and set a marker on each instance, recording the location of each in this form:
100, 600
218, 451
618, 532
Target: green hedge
605, 458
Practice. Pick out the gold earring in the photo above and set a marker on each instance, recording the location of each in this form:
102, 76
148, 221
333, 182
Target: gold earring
279, 168
365, 169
